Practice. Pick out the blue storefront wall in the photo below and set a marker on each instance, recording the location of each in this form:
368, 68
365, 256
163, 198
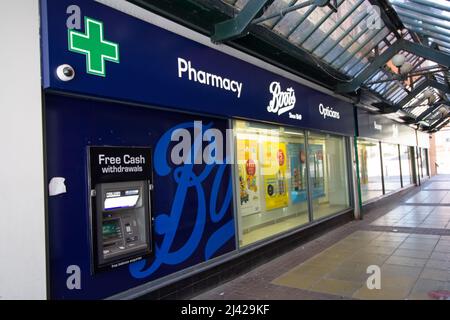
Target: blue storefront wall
193, 217
192, 204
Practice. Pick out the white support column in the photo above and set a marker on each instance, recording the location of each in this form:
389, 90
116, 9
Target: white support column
22, 209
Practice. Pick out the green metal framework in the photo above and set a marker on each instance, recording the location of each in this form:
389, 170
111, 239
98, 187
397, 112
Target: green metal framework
239, 25
417, 49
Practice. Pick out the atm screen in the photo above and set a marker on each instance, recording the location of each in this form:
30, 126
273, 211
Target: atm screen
121, 199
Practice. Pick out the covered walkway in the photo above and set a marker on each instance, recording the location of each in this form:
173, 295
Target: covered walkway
407, 238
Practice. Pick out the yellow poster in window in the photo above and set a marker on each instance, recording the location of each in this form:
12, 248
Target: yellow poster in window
248, 166
274, 174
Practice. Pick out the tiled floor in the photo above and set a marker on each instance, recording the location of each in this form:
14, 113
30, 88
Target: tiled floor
409, 241
407, 262
435, 217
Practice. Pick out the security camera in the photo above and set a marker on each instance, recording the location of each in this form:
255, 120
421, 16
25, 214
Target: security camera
65, 72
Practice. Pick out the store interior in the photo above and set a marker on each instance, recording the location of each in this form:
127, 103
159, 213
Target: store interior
272, 179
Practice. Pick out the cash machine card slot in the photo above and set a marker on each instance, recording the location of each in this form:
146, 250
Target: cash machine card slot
121, 188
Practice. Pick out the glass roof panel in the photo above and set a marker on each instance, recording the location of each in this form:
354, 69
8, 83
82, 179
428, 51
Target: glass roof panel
399, 98
426, 17
398, 93
289, 22
389, 89
336, 25
344, 41
395, 92
418, 110
310, 24
421, 99
341, 39
433, 114
276, 6
359, 50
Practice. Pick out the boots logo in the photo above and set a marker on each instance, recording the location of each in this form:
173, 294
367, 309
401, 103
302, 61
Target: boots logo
282, 101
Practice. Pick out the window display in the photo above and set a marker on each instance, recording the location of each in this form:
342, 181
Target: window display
328, 174
369, 169
316, 170
274, 174
271, 180
297, 160
248, 166
391, 167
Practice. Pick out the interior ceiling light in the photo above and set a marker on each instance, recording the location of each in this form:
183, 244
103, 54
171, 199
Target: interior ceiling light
443, 111
432, 99
406, 67
398, 60
428, 94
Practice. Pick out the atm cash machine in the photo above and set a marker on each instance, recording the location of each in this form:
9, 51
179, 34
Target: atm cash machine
121, 186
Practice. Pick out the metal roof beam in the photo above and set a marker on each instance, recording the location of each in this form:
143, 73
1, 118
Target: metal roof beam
377, 63
425, 84
417, 49
283, 11
429, 111
438, 123
440, 86
418, 89
238, 26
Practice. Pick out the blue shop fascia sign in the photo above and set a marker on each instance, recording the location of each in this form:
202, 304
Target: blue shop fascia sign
379, 127
119, 57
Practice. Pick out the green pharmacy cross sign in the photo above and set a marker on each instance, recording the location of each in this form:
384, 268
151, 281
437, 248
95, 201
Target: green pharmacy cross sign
94, 46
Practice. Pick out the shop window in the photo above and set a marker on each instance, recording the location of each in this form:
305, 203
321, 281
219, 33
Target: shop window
425, 172
271, 180
406, 162
420, 162
391, 167
328, 174
370, 169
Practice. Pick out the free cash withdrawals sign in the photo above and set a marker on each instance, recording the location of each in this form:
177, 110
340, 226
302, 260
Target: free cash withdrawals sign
116, 164
123, 58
